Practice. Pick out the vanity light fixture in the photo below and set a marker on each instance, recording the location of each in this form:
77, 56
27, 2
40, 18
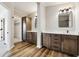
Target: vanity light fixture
65, 16
65, 10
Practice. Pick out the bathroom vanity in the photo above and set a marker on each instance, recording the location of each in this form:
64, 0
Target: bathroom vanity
61, 42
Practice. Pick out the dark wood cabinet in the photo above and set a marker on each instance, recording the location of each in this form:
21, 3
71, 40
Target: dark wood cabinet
64, 43
46, 40
55, 42
69, 44
29, 37
78, 45
51, 41
32, 37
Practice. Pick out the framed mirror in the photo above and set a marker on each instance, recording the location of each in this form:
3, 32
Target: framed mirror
65, 20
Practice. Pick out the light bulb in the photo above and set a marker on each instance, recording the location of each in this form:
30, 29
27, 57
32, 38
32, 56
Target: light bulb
70, 10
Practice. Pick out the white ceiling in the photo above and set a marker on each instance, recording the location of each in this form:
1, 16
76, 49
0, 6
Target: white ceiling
25, 7
52, 3
29, 7
2, 9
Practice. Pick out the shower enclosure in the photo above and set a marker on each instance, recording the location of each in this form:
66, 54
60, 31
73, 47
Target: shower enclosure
2, 29
3, 47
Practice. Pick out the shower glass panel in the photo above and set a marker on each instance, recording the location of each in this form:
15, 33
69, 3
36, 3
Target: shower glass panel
2, 29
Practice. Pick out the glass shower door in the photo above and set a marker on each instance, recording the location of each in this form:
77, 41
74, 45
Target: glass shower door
2, 29
3, 46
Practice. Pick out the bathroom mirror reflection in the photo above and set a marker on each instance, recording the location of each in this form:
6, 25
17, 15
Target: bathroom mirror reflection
65, 20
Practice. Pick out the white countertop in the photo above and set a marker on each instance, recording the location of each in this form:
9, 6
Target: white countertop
64, 33
57, 32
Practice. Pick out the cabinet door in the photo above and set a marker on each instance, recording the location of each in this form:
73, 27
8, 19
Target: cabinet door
69, 44
34, 37
29, 36
78, 45
46, 40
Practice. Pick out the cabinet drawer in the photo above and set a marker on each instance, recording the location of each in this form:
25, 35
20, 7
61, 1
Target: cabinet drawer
56, 40
70, 37
56, 37
54, 47
56, 43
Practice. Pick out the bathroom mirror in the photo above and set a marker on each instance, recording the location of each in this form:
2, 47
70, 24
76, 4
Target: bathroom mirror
65, 19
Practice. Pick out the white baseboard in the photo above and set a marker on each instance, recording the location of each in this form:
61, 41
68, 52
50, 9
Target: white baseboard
11, 47
39, 46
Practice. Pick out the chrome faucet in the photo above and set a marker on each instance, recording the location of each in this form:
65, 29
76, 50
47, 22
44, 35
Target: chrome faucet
67, 31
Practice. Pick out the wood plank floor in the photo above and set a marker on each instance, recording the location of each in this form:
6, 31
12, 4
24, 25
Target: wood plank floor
24, 49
